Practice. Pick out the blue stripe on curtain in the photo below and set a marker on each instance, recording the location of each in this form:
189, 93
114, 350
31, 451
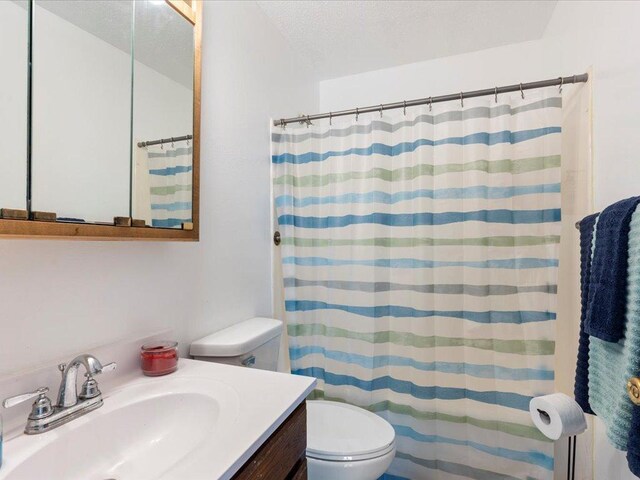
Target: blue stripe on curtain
519, 316
382, 361
504, 399
169, 222
482, 138
535, 458
427, 218
170, 170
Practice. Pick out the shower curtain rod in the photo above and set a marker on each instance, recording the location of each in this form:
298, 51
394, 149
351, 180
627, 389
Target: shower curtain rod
164, 140
560, 81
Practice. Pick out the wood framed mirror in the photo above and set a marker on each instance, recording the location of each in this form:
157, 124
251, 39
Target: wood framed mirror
93, 74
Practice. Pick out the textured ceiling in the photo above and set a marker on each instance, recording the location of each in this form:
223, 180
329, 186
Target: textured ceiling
163, 39
340, 38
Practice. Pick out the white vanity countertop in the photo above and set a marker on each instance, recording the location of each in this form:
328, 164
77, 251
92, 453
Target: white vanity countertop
203, 421
266, 400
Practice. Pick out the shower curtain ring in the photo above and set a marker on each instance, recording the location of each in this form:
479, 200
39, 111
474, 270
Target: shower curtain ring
521, 92
430, 102
461, 100
380, 110
496, 94
561, 83
162, 144
357, 114
330, 118
172, 146
404, 102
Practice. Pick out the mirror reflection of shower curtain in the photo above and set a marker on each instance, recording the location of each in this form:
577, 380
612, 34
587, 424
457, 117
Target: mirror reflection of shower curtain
163, 185
420, 263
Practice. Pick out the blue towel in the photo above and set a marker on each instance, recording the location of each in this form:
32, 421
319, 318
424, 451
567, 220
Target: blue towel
633, 319
581, 385
608, 284
633, 447
611, 364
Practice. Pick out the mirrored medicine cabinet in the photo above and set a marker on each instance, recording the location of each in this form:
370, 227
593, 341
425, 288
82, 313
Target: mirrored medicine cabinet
99, 103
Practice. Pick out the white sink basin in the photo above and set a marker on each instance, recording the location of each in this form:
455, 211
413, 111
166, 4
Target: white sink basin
188, 425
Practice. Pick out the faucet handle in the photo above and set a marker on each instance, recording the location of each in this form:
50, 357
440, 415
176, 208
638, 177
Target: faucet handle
17, 399
41, 407
109, 367
90, 386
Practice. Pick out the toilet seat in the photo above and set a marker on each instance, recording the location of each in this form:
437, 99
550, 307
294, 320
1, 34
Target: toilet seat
342, 432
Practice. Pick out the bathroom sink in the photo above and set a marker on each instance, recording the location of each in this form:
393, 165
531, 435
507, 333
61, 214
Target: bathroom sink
142, 432
204, 421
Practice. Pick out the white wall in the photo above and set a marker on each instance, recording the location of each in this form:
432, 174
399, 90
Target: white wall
470, 71
60, 297
601, 34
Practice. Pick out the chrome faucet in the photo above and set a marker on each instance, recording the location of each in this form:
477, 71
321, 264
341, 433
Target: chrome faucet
70, 405
68, 392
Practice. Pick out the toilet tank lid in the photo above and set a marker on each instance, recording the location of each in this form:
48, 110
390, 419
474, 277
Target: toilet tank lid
237, 339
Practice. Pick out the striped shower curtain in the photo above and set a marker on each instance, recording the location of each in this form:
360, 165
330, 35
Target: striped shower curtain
420, 258
170, 184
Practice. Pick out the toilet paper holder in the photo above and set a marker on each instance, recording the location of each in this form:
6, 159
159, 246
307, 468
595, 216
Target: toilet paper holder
571, 450
633, 390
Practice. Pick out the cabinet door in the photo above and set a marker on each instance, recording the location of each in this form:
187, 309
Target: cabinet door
282, 456
81, 110
14, 52
163, 101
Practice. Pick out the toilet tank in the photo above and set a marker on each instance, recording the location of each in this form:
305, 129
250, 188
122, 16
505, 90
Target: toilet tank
252, 343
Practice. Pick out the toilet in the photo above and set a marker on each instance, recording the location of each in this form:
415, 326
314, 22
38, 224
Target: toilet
344, 442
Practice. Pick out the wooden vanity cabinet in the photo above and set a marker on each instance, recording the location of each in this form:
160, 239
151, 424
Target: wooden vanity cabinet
282, 456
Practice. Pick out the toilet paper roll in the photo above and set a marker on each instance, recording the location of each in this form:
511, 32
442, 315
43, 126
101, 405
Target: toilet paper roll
557, 415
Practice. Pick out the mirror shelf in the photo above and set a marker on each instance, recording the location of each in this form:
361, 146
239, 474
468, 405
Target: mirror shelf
33, 229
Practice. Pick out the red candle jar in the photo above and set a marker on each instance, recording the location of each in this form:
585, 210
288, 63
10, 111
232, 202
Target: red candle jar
159, 358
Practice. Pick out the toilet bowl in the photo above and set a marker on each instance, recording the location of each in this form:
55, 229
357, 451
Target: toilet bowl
344, 442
